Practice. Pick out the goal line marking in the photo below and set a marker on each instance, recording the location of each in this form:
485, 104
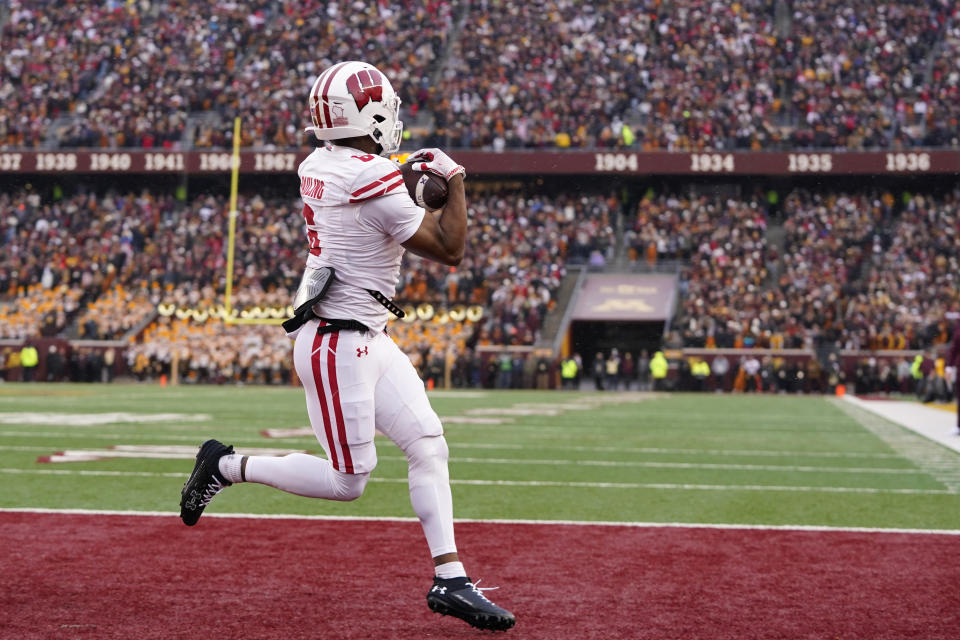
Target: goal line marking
578, 523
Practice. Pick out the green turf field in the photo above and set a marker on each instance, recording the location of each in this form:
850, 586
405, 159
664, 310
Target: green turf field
772, 460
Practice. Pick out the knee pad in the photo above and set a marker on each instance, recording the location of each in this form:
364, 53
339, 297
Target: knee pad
349, 486
427, 458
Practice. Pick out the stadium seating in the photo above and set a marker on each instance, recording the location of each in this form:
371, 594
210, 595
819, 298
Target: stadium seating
120, 74
863, 270
122, 254
860, 267
754, 74
857, 270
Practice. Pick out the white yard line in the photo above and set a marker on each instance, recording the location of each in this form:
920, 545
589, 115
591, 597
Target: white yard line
576, 523
528, 483
96, 419
198, 437
710, 452
454, 445
527, 430
184, 452
675, 465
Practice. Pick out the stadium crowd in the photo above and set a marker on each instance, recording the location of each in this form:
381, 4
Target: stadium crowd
720, 244
98, 265
130, 74
862, 270
753, 74
855, 270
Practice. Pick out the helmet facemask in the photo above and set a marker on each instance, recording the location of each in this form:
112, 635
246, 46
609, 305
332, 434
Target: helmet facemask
388, 129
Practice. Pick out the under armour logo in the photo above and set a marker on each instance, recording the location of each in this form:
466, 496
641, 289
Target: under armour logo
362, 352
440, 590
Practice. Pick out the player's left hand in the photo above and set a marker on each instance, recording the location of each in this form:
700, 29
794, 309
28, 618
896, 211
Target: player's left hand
437, 162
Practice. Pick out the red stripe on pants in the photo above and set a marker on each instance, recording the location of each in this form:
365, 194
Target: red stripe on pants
334, 391
315, 363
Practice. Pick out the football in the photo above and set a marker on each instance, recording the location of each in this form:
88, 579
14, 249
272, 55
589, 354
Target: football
427, 189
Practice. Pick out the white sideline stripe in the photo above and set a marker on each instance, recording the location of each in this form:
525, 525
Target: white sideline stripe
914, 431
931, 423
531, 483
575, 523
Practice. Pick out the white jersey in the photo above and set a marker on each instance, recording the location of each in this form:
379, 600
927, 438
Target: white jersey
357, 214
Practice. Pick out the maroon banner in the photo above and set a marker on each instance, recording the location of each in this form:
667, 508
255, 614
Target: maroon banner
626, 297
547, 162
155, 162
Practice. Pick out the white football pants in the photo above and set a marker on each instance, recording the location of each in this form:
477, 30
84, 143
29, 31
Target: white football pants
357, 383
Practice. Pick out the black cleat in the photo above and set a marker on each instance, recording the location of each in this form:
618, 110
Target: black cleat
205, 481
460, 598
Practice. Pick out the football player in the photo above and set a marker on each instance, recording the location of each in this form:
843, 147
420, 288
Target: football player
359, 221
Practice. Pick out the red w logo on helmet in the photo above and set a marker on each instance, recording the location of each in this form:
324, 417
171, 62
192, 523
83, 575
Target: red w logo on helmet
365, 86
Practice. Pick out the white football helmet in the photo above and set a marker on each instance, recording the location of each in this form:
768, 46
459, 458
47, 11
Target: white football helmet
355, 99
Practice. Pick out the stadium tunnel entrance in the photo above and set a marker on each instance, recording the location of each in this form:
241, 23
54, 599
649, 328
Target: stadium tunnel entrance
590, 337
623, 311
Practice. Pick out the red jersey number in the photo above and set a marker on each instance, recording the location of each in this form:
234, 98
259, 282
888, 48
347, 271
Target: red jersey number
313, 238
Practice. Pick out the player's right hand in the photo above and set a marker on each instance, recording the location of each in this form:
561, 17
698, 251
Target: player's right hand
437, 162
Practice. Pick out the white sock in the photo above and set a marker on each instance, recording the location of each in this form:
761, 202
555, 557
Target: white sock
450, 570
230, 467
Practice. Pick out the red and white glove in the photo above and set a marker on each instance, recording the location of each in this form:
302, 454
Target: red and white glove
436, 162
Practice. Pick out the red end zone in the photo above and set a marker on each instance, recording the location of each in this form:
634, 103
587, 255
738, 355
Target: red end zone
88, 576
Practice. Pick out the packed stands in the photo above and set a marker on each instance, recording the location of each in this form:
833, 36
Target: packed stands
912, 280
755, 74
212, 352
38, 311
115, 314
123, 255
858, 270
696, 75
721, 245
859, 266
119, 74
865, 270
860, 74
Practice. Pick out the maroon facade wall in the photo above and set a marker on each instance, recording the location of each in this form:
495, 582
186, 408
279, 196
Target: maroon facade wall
540, 162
